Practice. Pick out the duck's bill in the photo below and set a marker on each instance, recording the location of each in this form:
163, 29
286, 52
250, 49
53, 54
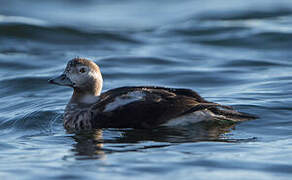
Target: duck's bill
61, 80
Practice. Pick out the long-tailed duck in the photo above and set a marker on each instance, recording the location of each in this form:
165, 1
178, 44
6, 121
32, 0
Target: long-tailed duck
132, 107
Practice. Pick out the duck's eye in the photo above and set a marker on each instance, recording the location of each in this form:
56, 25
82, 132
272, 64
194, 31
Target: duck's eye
82, 70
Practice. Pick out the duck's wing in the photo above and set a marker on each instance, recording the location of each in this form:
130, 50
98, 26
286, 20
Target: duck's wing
165, 90
144, 107
162, 91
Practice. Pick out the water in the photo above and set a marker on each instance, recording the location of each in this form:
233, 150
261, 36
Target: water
232, 52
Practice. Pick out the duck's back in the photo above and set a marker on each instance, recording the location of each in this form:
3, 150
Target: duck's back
146, 107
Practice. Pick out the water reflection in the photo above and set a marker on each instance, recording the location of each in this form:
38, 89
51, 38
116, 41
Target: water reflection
96, 144
89, 144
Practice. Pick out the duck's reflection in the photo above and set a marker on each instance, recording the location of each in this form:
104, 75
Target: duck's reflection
89, 144
94, 145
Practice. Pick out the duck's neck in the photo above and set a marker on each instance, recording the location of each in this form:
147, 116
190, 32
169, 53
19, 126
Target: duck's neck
80, 101
81, 97
84, 97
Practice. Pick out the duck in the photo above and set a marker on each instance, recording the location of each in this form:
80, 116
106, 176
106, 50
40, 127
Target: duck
140, 107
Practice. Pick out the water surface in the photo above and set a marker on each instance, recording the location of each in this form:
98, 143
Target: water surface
232, 52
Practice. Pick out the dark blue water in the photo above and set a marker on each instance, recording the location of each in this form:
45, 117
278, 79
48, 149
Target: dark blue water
232, 52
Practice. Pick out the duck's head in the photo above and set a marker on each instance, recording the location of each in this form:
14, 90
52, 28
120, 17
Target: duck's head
81, 74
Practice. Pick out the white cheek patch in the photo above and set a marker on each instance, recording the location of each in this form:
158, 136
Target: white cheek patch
77, 78
124, 99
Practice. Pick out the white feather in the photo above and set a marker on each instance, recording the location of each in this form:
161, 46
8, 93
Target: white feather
191, 118
124, 99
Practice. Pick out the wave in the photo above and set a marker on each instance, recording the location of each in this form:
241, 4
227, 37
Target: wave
61, 34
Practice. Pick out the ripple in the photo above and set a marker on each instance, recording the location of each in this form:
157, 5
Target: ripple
205, 31
23, 84
23, 20
135, 61
251, 63
37, 120
61, 35
248, 14
16, 65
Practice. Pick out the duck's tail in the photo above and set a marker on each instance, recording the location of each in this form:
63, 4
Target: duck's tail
231, 115
222, 112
